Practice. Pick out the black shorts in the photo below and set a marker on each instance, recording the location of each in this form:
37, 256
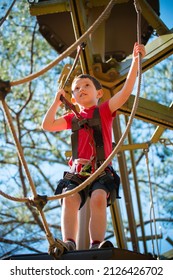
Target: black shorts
108, 181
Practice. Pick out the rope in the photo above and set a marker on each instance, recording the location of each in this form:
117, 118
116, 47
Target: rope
69, 105
106, 162
73, 47
152, 212
90, 179
119, 144
18, 146
24, 199
29, 78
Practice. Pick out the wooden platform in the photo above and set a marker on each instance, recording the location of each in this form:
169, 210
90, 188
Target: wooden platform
97, 254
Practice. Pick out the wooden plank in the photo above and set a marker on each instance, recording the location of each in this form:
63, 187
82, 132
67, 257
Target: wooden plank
150, 111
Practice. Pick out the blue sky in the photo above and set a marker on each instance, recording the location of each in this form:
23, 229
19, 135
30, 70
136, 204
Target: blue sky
166, 12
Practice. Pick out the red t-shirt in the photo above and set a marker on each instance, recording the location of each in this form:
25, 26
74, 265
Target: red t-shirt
85, 149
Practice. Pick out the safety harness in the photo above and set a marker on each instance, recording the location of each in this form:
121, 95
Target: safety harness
95, 124
70, 179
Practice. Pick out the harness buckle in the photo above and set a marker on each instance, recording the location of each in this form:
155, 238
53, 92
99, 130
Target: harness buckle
82, 122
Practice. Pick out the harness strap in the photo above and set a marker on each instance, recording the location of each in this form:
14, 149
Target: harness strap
72, 177
98, 137
95, 124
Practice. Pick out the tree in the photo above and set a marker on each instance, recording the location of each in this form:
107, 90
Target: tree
24, 51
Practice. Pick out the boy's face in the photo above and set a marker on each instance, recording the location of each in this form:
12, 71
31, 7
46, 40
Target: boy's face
85, 93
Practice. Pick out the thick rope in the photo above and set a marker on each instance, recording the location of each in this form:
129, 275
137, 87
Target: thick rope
16, 199
90, 179
102, 17
119, 144
106, 162
18, 145
72, 48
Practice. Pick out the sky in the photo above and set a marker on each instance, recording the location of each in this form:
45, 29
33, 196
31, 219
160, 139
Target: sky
166, 12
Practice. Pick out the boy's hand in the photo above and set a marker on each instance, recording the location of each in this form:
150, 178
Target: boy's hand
58, 95
138, 48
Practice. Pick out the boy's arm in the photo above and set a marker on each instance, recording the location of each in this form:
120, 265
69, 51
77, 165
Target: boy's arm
50, 123
121, 97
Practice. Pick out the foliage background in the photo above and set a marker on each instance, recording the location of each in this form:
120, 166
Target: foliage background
24, 51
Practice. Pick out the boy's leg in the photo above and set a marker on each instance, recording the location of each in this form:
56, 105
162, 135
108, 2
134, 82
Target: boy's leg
69, 217
98, 219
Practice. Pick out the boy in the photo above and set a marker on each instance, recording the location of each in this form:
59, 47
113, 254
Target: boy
86, 92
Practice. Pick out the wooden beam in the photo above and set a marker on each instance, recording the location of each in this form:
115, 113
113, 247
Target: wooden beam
156, 51
150, 111
49, 7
